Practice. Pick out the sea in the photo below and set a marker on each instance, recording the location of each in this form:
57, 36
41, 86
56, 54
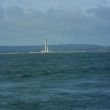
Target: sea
55, 81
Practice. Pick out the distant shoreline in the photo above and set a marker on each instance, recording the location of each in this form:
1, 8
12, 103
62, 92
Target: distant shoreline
14, 53
70, 48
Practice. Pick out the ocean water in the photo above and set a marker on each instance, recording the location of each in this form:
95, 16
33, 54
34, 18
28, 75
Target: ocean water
59, 81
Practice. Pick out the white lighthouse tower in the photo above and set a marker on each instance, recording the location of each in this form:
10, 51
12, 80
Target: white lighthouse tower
45, 48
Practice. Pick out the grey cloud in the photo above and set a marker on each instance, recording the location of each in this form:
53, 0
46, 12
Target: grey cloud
14, 12
54, 19
1, 12
2, 0
101, 11
55, 22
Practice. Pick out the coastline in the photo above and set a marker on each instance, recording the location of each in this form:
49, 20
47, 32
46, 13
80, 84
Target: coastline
52, 52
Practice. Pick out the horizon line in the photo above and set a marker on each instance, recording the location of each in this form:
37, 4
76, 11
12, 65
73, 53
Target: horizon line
53, 45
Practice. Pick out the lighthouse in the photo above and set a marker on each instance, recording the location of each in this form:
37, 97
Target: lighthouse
46, 46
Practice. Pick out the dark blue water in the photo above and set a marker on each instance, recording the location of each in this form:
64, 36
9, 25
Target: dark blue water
62, 81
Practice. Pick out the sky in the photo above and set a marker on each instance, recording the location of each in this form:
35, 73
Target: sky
29, 22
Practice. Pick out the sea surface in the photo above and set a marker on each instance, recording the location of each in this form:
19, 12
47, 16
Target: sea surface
55, 81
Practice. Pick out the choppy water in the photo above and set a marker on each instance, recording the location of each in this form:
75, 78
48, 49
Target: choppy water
70, 81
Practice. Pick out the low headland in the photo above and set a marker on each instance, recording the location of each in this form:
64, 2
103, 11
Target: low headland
67, 48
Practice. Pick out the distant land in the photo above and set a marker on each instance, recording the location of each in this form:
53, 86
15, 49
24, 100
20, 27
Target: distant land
56, 48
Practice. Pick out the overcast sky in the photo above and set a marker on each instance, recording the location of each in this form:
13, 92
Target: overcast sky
29, 22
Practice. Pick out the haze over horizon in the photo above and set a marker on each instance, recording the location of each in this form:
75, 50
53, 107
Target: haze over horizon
29, 22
